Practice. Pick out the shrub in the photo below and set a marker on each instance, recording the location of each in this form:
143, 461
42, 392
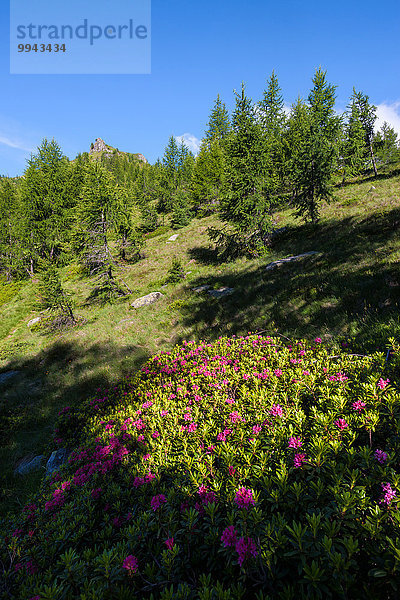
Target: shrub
246, 468
176, 272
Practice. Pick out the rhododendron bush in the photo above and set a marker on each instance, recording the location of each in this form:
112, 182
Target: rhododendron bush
248, 468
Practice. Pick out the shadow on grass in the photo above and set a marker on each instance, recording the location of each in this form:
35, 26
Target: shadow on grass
342, 291
66, 373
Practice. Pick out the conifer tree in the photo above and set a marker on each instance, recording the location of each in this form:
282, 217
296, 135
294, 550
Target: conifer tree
218, 127
51, 293
312, 143
367, 116
353, 148
208, 178
99, 213
386, 144
243, 206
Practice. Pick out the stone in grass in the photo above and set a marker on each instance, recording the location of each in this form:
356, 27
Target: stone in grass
28, 465
33, 322
279, 263
7, 375
221, 292
173, 237
201, 288
146, 300
56, 460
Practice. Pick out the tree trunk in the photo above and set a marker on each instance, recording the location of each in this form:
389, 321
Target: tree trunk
372, 157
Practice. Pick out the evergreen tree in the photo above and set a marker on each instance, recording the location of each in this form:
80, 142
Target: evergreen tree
47, 201
11, 248
218, 127
51, 293
99, 213
386, 144
208, 178
312, 143
367, 115
272, 118
243, 206
353, 147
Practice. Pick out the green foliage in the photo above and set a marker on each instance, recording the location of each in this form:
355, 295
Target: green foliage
243, 205
51, 295
218, 127
312, 146
386, 145
181, 214
247, 468
208, 178
176, 272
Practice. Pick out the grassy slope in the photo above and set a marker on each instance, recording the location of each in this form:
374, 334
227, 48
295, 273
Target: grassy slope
351, 289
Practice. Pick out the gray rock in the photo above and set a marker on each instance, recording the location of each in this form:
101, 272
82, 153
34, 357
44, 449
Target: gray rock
201, 288
173, 237
29, 465
148, 299
224, 291
33, 322
279, 263
7, 375
56, 460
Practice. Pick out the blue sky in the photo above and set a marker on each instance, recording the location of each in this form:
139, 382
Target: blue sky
200, 49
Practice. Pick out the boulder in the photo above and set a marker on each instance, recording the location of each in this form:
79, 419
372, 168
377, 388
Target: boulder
223, 291
28, 465
56, 460
148, 299
7, 375
279, 263
173, 237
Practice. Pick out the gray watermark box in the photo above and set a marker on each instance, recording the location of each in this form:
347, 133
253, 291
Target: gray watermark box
91, 37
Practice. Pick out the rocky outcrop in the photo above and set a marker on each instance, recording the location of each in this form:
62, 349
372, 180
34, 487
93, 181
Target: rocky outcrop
98, 146
7, 375
56, 460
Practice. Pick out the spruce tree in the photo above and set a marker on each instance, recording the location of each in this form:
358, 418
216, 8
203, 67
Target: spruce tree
208, 178
243, 206
367, 116
218, 127
51, 294
386, 145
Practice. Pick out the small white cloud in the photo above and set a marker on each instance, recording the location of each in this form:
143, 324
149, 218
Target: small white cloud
14, 143
190, 141
389, 113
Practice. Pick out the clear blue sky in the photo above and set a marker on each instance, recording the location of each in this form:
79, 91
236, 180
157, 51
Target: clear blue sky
200, 49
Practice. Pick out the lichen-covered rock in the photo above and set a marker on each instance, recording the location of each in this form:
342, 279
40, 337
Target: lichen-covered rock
146, 300
34, 321
221, 292
7, 375
280, 262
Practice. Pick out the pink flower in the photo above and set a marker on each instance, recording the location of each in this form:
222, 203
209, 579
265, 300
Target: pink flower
380, 456
382, 383
130, 564
244, 498
295, 442
192, 427
359, 405
257, 429
164, 413
388, 495
187, 416
228, 537
299, 459
341, 424
169, 543
276, 410
278, 372
157, 501
146, 456
318, 340
245, 549
234, 416
156, 434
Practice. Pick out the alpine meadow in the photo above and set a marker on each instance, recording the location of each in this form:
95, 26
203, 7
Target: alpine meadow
200, 361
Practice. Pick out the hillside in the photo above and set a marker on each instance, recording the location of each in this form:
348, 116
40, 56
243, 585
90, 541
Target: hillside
349, 292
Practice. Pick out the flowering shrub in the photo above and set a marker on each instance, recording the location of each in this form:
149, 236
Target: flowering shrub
243, 469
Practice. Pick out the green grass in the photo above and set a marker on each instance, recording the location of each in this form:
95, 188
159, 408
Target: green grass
350, 290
